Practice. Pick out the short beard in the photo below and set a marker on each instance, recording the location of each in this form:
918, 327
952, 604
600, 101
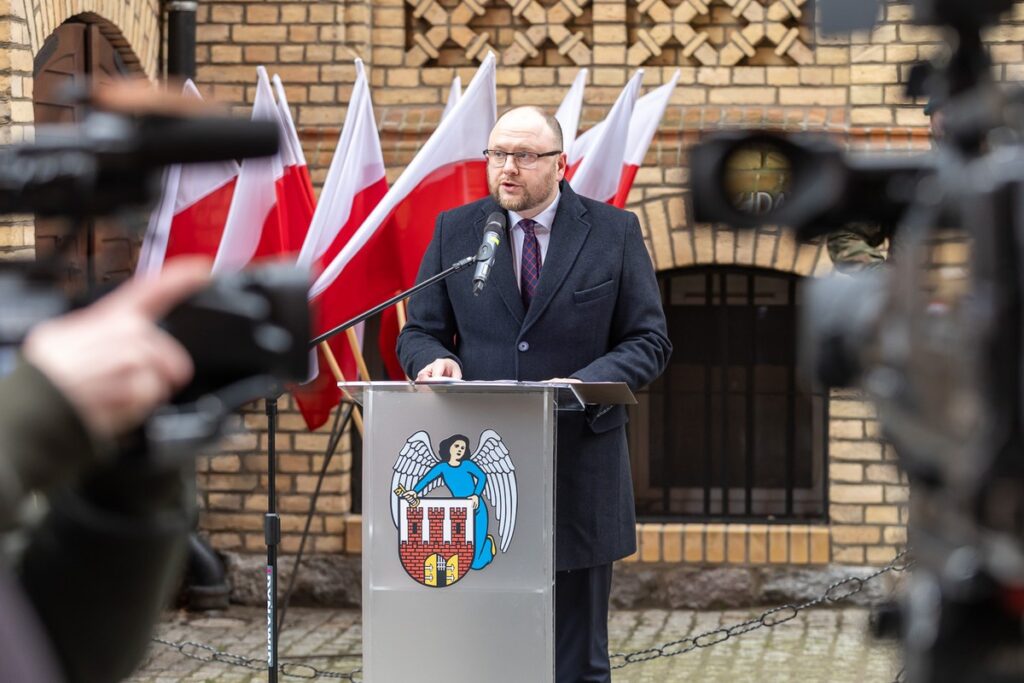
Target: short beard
524, 203
517, 205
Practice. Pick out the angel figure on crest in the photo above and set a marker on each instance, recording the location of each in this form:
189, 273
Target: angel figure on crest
486, 476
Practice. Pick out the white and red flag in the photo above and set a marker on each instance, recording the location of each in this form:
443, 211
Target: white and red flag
642, 126
568, 113
448, 171
256, 227
190, 217
354, 185
598, 155
299, 195
454, 95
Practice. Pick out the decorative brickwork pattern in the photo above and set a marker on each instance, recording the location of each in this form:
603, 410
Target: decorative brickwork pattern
771, 22
445, 26
548, 23
688, 29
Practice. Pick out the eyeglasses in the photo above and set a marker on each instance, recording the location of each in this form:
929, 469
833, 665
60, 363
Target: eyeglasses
497, 157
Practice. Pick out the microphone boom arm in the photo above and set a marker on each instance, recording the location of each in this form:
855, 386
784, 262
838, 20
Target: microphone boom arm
451, 270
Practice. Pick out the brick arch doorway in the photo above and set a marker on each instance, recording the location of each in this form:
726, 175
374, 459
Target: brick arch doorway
92, 252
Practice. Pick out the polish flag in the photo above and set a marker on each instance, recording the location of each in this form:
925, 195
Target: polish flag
454, 95
568, 113
355, 184
190, 217
448, 171
257, 225
300, 196
600, 152
642, 126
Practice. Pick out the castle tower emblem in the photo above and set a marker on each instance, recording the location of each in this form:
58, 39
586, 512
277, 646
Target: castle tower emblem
440, 539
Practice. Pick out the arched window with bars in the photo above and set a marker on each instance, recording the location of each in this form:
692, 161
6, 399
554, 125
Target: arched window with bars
729, 431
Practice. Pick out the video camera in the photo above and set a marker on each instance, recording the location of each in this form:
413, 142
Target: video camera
247, 333
943, 357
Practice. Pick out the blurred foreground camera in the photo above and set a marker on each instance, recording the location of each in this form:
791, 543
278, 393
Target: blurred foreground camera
939, 347
747, 179
243, 325
87, 423
111, 161
247, 333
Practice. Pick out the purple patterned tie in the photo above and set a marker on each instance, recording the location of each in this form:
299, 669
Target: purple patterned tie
529, 271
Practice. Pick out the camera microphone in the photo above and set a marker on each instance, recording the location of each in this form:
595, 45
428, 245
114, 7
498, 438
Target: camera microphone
488, 248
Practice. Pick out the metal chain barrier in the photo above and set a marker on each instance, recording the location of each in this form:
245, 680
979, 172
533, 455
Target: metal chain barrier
206, 653
836, 592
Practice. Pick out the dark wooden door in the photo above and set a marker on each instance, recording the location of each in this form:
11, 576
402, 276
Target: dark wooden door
95, 252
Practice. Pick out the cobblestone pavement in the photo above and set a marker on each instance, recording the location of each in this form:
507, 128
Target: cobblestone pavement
819, 645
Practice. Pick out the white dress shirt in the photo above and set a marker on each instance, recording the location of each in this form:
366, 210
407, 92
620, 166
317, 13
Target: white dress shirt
544, 220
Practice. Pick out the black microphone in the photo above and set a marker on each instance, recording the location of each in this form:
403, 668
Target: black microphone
488, 248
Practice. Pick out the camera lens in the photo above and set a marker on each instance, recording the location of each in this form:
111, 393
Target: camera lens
757, 178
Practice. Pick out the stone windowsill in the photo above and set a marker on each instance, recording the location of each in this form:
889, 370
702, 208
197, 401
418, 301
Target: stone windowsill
740, 544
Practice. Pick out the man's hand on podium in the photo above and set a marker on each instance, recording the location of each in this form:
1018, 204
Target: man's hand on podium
476, 501
442, 368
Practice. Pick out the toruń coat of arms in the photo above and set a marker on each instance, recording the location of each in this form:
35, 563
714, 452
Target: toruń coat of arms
441, 538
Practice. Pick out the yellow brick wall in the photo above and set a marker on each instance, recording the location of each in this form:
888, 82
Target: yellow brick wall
742, 64
233, 485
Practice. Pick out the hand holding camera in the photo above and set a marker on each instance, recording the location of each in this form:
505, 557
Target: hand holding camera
110, 359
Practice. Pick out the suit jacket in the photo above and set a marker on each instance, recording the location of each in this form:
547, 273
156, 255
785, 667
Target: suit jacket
596, 316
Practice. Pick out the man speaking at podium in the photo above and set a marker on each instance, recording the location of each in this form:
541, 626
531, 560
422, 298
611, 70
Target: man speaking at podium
572, 295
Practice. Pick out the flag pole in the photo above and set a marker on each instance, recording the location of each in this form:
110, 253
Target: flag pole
400, 312
357, 353
339, 376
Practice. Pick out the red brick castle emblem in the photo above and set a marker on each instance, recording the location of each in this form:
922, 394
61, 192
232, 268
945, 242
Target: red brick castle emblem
436, 540
441, 538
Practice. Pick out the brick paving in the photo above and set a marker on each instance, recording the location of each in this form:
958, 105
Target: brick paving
819, 645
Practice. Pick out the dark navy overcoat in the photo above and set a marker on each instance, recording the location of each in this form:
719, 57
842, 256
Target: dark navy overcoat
596, 316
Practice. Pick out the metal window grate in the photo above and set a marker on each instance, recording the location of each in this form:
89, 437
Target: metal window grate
728, 431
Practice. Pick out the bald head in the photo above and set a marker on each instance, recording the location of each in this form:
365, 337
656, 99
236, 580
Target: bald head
527, 118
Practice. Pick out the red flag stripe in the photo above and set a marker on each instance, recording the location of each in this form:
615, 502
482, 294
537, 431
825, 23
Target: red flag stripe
625, 185
198, 228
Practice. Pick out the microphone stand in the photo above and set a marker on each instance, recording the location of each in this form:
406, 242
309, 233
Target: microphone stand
272, 537
451, 270
271, 520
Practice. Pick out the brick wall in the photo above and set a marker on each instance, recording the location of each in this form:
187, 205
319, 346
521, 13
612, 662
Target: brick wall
742, 63
233, 485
